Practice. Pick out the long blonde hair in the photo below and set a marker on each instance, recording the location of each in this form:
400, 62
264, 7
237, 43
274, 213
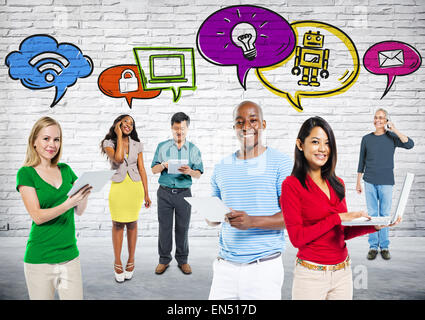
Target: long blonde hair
32, 158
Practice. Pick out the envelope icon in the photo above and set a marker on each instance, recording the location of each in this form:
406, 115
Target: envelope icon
391, 58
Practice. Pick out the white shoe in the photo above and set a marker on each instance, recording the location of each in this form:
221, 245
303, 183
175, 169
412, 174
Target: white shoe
119, 277
129, 274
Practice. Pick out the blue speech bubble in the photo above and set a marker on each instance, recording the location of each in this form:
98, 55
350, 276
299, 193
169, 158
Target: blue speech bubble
42, 63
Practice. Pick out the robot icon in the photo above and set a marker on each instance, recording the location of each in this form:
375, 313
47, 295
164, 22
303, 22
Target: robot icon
312, 58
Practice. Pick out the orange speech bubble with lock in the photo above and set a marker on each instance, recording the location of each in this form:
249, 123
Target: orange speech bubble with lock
123, 81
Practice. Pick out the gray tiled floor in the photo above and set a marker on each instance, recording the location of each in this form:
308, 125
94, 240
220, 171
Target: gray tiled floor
402, 277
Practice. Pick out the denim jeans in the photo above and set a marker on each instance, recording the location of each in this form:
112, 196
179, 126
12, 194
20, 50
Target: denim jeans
378, 202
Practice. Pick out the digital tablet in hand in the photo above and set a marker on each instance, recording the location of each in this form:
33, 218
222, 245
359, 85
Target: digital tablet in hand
211, 208
96, 179
175, 164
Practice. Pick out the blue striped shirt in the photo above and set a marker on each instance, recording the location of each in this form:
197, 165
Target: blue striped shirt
254, 186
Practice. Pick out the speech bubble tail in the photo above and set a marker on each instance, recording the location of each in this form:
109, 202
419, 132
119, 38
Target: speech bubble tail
59, 93
295, 102
176, 94
129, 101
390, 82
242, 74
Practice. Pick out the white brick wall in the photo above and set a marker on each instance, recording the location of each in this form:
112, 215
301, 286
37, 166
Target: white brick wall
107, 30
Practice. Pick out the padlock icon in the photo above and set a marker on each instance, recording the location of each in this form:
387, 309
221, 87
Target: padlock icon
128, 84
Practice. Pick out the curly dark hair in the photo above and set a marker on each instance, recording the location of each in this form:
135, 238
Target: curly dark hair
111, 135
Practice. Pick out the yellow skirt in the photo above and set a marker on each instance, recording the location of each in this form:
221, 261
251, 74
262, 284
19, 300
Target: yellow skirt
126, 199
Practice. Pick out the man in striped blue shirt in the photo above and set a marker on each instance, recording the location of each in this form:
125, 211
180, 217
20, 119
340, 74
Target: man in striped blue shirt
251, 240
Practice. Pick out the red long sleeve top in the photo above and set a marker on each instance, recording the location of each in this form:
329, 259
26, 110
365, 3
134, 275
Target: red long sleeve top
313, 223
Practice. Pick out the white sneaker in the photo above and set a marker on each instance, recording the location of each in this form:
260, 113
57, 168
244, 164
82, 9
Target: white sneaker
119, 277
129, 274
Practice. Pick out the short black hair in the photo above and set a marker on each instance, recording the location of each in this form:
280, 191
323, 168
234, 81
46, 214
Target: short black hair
180, 117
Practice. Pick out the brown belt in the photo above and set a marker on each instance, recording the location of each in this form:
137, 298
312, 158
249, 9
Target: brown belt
318, 267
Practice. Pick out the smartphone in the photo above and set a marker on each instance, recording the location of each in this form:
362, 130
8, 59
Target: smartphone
387, 126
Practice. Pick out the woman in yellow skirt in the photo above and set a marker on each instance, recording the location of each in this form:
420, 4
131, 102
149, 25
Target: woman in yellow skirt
129, 189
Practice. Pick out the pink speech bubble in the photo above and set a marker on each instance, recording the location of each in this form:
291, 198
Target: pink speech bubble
393, 58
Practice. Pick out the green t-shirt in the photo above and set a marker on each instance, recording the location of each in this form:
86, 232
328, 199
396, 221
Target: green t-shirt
53, 241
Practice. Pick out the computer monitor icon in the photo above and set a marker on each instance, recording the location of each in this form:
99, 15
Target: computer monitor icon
165, 68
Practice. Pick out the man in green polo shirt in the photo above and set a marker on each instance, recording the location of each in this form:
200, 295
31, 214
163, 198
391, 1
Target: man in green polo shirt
172, 190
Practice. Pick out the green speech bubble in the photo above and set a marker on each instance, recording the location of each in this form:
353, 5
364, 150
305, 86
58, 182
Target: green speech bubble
166, 68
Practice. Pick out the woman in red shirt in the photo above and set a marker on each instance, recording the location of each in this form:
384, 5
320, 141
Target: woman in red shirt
313, 205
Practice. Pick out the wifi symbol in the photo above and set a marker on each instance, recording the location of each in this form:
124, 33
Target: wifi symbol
51, 61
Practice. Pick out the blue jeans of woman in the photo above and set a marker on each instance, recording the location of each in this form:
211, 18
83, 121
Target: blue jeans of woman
378, 202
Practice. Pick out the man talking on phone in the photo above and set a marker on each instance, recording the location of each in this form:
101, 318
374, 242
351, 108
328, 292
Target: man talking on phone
376, 163
173, 187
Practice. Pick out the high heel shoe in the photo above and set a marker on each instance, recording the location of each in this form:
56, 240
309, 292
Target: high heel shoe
119, 277
129, 274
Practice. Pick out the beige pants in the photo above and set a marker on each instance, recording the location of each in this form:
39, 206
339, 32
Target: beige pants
44, 279
322, 285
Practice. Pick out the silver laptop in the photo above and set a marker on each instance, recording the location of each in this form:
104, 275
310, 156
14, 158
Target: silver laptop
384, 221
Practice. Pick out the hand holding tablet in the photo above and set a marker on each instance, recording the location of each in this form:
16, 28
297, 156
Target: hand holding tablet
175, 164
211, 208
95, 179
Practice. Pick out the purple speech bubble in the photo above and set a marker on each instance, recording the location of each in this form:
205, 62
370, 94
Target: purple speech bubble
245, 36
393, 58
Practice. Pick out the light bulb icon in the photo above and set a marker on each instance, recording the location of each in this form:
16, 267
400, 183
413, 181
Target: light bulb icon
244, 36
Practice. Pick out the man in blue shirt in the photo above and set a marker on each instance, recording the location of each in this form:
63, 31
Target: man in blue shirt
172, 190
252, 240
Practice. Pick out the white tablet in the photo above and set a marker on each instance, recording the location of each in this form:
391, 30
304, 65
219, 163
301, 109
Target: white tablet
211, 208
96, 179
175, 164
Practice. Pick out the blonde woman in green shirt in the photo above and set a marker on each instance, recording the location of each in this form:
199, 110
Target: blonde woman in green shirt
51, 259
